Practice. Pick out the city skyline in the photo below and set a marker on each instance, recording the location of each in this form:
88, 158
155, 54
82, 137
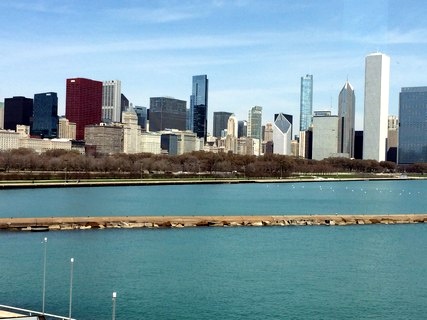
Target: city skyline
256, 56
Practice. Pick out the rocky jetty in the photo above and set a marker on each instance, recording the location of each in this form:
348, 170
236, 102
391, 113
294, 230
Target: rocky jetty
127, 222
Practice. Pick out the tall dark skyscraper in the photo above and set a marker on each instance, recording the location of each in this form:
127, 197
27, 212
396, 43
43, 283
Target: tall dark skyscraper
17, 110
83, 103
412, 146
141, 112
220, 121
45, 115
242, 128
167, 113
124, 103
199, 106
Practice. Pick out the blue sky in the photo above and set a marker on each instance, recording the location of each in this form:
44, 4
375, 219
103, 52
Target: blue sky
254, 52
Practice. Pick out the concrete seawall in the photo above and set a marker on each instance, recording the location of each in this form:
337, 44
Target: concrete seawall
83, 223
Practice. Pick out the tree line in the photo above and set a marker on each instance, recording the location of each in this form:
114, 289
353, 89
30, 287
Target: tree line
60, 164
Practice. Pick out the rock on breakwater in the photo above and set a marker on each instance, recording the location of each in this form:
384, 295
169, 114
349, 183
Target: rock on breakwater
127, 222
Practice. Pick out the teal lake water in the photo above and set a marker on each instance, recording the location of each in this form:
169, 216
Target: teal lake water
317, 272
358, 197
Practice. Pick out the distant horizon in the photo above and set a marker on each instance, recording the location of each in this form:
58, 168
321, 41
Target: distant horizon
252, 53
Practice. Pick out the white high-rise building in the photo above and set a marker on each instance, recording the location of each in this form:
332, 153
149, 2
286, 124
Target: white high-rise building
232, 126
377, 87
282, 135
111, 101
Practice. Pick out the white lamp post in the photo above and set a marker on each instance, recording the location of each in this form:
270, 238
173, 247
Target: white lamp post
44, 273
71, 286
114, 305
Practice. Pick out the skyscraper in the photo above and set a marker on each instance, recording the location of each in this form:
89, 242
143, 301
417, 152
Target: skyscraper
412, 146
282, 134
392, 138
199, 106
288, 117
377, 86
220, 121
17, 110
306, 102
232, 126
1, 115
242, 128
83, 103
346, 107
325, 135
141, 112
111, 101
124, 104
255, 128
167, 113
255, 122
45, 115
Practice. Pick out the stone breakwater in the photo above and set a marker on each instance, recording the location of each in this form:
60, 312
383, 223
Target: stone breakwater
127, 222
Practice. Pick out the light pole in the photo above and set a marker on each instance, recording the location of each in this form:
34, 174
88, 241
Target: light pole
71, 286
114, 305
44, 273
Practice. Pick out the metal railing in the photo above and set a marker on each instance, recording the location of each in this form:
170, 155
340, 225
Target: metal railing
35, 313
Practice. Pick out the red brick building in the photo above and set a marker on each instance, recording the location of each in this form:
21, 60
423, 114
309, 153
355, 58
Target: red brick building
83, 103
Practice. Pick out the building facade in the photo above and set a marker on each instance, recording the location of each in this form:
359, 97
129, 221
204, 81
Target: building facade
232, 132
136, 141
392, 138
45, 115
220, 121
141, 113
242, 129
17, 110
325, 136
199, 106
412, 147
267, 132
1, 115
176, 142
111, 101
255, 123
346, 113
377, 86
10, 139
167, 113
107, 139
83, 103
306, 102
66, 129
282, 135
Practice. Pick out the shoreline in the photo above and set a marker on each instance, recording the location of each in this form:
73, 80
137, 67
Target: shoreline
133, 222
33, 184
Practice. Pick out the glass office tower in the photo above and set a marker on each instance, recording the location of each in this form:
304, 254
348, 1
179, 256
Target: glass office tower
199, 106
45, 115
412, 145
